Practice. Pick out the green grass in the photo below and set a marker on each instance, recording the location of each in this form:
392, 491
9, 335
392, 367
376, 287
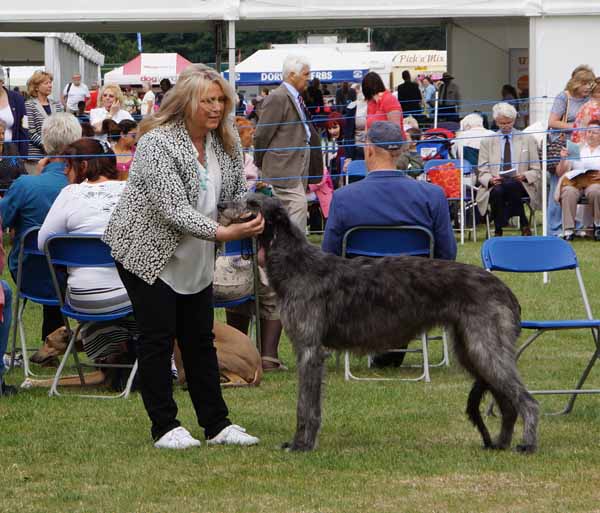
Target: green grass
384, 447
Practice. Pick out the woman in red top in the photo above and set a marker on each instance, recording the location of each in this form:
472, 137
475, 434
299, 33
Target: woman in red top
382, 105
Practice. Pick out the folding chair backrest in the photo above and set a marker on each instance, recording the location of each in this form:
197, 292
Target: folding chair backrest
78, 250
35, 280
238, 247
446, 174
471, 155
357, 168
528, 254
379, 241
431, 164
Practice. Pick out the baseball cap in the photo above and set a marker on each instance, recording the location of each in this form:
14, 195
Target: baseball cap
386, 135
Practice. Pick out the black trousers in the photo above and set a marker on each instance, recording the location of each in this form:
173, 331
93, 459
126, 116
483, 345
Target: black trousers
163, 315
506, 202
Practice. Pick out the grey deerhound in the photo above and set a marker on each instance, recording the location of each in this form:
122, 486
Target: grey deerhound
370, 305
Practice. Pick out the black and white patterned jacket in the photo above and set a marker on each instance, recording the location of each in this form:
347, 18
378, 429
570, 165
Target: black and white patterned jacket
157, 206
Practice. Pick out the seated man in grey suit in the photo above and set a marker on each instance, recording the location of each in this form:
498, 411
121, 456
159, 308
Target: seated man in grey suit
509, 170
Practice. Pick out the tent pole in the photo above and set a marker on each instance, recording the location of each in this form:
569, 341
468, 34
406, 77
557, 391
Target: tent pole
231, 50
218, 44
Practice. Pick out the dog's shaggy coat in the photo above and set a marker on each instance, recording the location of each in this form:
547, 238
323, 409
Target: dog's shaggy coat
371, 305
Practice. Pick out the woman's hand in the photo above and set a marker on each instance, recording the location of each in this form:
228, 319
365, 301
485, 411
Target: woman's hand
115, 108
240, 231
495, 180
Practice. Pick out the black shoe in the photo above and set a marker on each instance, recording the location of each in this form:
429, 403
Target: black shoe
597, 233
7, 389
391, 359
498, 233
526, 231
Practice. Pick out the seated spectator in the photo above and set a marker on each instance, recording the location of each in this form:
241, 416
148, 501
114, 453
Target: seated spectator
471, 134
333, 147
11, 166
111, 107
81, 115
568, 192
5, 319
509, 170
124, 147
375, 201
29, 198
85, 206
246, 131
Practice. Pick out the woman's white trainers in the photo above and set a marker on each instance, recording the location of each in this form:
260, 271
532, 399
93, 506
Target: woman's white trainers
233, 435
177, 438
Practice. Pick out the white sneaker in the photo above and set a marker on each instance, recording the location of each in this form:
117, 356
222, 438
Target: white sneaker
178, 438
233, 435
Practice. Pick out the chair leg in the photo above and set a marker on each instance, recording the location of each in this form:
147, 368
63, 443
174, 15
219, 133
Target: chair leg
132, 374
54, 388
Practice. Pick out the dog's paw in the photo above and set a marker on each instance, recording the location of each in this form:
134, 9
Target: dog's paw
494, 447
525, 448
27, 384
294, 447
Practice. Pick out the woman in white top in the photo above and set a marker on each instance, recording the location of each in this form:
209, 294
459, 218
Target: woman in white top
85, 206
148, 100
110, 101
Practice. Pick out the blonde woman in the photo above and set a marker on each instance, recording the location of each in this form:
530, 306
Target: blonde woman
162, 235
38, 108
110, 102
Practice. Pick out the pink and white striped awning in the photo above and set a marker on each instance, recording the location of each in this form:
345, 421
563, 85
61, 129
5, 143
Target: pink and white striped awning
148, 66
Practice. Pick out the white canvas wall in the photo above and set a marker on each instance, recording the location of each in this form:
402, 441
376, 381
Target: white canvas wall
559, 44
478, 57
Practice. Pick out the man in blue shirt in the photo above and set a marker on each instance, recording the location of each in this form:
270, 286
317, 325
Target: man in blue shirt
29, 198
387, 197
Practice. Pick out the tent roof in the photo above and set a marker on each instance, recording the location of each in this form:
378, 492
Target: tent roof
148, 66
194, 15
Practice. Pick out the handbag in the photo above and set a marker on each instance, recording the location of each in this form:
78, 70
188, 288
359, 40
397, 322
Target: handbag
554, 146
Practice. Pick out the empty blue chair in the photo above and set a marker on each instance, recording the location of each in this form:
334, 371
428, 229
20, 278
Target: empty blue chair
82, 250
382, 241
537, 255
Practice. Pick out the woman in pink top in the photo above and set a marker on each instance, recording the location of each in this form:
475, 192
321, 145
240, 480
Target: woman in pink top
382, 105
124, 147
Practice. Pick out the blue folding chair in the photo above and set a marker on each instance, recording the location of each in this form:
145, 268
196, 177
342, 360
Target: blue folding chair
245, 248
537, 255
381, 241
357, 170
34, 284
82, 250
467, 195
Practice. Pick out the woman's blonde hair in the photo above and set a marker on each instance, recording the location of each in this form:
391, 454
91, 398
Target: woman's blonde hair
35, 81
182, 101
579, 78
116, 89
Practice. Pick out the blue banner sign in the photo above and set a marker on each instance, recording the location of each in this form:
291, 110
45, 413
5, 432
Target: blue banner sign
276, 77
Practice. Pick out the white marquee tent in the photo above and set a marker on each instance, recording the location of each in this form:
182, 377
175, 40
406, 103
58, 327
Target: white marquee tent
146, 67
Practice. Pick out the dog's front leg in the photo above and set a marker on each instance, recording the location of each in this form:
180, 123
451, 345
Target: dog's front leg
310, 361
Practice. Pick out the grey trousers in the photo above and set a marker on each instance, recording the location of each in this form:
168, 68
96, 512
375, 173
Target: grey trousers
569, 196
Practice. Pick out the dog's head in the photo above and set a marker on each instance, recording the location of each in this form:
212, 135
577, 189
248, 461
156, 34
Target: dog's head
54, 346
275, 216
232, 212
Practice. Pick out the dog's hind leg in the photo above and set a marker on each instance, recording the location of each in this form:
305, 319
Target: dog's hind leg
509, 418
474, 414
529, 411
310, 361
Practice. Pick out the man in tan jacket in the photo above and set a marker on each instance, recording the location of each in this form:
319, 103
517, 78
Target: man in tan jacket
509, 170
287, 148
